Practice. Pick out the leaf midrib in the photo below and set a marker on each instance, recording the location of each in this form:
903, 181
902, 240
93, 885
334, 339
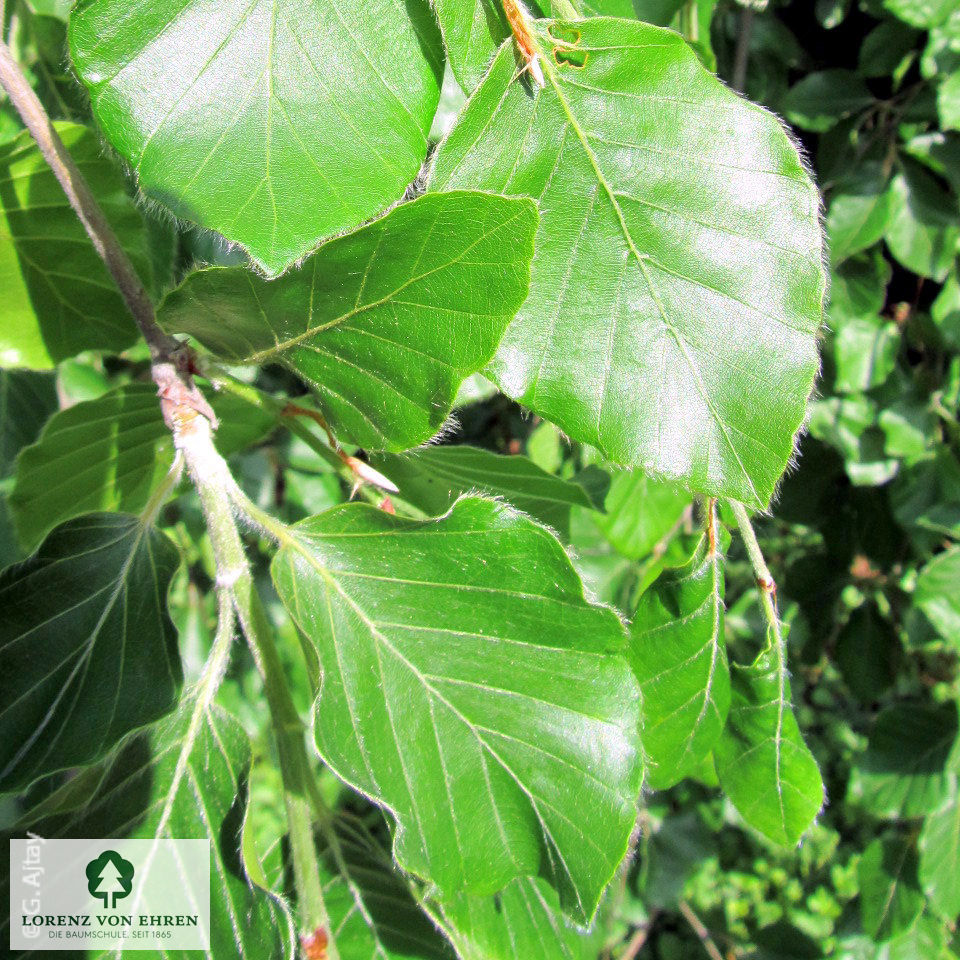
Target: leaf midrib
282, 346
642, 263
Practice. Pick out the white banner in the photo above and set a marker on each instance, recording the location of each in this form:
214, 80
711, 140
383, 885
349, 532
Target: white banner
109, 894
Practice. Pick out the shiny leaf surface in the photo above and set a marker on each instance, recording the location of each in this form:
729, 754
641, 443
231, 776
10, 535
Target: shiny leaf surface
282, 123
677, 283
384, 323
471, 690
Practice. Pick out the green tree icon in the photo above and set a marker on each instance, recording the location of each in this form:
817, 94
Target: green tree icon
110, 878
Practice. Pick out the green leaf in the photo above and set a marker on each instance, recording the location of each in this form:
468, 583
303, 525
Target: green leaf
678, 653
865, 352
372, 911
904, 771
677, 283
383, 323
945, 311
640, 511
885, 48
940, 857
26, 400
921, 13
821, 100
859, 211
522, 920
470, 689
58, 297
274, 125
890, 895
763, 764
433, 478
948, 102
127, 794
936, 594
110, 454
93, 600
472, 30
924, 230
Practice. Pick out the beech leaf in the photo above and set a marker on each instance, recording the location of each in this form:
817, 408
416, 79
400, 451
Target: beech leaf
469, 688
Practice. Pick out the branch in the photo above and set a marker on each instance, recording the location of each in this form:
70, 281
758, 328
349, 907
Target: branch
217, 488
700, 930
171, 361
741, 55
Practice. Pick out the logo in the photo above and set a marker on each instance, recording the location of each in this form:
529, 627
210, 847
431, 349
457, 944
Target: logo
110, 878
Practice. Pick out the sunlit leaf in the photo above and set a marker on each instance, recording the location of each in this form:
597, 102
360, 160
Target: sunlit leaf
678, 653
763, 764
677, 282
384, 323
472, 691
276, 124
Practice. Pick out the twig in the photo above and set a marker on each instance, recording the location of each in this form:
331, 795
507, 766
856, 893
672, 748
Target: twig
636, 942
765, 581
700, 930
741, 56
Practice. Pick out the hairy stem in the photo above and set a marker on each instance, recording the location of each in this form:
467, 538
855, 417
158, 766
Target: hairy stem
765, 581
217, 489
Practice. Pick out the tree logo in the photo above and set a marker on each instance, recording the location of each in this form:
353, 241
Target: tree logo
110, 878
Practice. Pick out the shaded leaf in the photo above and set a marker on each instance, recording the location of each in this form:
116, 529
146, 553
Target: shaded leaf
674, 853
26, 400
58, 297
372, 911
384, 323
868, 653
859, 211
433, 478
238, 138
890, 896
678, 653
821, 100
676, 286
93, 600
763, 764
903, 772
471, 690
